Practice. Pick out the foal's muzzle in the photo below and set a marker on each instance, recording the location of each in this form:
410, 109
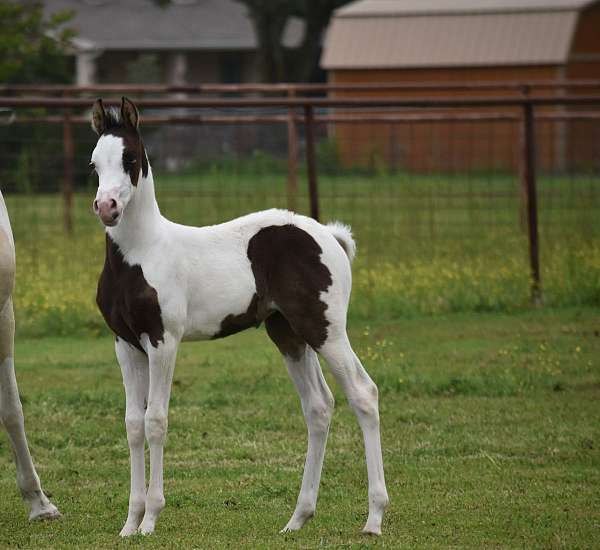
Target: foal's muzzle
108, 211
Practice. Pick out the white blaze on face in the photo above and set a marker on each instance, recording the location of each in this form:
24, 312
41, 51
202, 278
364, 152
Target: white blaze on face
114, 184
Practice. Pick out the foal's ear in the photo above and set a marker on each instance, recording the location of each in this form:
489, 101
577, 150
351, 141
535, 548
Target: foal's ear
98, 117
129, 113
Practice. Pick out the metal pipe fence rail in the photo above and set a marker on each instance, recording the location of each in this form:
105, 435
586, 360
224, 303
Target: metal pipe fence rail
312, 102
293, 89
309, 111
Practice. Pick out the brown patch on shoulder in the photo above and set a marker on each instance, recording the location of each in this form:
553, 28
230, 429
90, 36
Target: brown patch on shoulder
128, 303
287, 267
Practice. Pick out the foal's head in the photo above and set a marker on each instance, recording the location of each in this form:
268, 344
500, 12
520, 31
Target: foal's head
119, 159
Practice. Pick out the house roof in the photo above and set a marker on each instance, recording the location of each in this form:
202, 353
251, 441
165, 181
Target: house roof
451, 33
183, 25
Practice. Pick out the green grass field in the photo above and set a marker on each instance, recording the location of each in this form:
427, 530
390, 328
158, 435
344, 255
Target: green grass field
427, 245
490, 425
490, 415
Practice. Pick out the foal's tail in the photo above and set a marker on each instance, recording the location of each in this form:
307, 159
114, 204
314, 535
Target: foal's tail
343, 235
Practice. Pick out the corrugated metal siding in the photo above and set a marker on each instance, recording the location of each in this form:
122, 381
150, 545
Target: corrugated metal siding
449, 41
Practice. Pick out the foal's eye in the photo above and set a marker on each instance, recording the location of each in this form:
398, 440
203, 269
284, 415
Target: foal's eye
128, 160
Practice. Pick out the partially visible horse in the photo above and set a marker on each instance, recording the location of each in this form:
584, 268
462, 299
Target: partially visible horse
11, 411
163, 283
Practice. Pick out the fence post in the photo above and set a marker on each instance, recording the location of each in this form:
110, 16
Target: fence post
68, 159
311, 162
528, 159
292, 181
525, 89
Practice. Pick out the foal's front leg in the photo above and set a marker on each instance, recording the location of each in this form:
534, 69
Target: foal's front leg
162, 365
134, 366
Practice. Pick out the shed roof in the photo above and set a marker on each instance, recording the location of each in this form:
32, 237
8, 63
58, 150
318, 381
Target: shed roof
183, 25
363, 8
382, 34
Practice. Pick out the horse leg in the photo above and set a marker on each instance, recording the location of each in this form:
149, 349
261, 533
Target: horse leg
362, 395
11, 415
162, 365
134, 367
317, 405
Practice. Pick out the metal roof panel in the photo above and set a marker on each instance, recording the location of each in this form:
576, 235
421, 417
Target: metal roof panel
449, 40
368, 8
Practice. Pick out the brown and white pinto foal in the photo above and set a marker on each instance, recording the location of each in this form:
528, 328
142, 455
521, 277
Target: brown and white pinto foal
11, 411
163, 283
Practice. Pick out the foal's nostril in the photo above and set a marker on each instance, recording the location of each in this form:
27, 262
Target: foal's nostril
113, 203
115, 215
95, 206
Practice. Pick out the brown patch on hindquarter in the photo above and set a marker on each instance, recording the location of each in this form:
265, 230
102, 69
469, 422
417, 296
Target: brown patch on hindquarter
252, 317
288, 272
287, 268
284, 337
128, 303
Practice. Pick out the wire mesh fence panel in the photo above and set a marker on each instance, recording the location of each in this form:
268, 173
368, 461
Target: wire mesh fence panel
428, 199
435, 199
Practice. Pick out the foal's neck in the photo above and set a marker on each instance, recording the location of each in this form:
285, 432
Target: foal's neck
141, 221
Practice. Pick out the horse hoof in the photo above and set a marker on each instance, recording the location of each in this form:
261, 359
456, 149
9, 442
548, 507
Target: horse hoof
47, 514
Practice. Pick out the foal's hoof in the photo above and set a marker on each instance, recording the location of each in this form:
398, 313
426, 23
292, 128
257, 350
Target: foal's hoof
297, 521
146, 527
372, 528
292, 525
48, 513
128, 530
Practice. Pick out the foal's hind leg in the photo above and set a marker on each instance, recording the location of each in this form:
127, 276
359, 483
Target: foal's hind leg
317, 405
362, 395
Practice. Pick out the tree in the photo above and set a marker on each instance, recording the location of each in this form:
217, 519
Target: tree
33, 49
270, 18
